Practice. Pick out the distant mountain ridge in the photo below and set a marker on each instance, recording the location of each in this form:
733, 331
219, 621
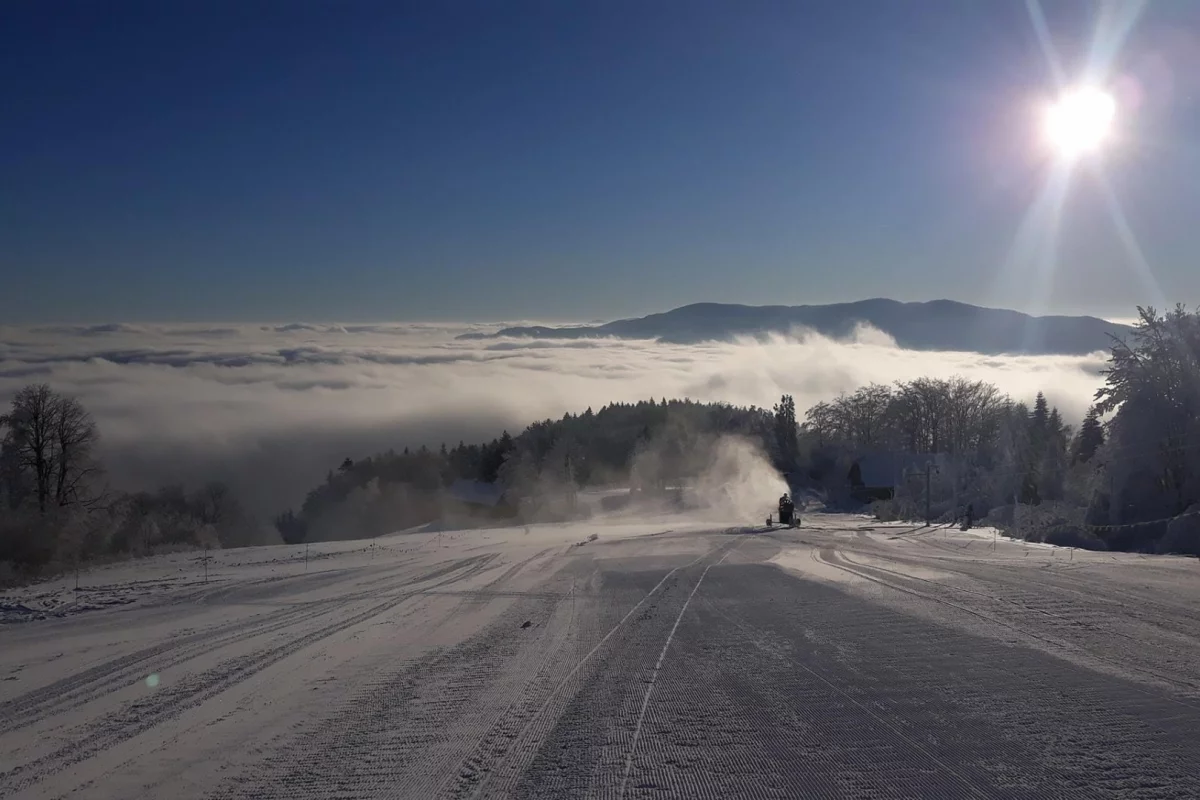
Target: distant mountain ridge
943, 325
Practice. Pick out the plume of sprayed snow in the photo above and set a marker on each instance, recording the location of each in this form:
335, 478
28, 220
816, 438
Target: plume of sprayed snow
723, 479
739, 485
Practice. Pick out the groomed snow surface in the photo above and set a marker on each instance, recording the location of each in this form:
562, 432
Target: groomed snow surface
666, 658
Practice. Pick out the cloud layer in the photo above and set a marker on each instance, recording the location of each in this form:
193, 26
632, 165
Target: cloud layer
272, 407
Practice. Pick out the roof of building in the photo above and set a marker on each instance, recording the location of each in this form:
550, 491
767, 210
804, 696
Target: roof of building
477, 493
888, 468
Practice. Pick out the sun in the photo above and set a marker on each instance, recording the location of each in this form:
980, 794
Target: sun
1080, 122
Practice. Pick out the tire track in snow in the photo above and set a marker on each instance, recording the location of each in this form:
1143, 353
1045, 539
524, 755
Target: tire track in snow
487, 592
471, 769
166, 704
879, 719
474, 765
1011, 574
528, 702
637, 730
412, 723
123, 671
727, 723
118, 673
442, 569
831, 557
1012, 720
194, 690
1177, 619
507, 762
729, 720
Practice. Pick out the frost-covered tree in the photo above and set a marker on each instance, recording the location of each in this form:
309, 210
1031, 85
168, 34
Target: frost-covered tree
786, 430
1052, 460
1152, 389
1089, 439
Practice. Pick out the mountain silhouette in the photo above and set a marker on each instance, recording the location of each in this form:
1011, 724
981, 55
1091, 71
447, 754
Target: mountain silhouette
936, 325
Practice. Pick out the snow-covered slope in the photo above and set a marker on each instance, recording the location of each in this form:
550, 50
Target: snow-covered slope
659, 658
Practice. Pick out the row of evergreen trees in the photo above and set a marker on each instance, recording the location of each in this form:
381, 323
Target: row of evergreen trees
1132, 461
1132, 465
1023, 454
394, 490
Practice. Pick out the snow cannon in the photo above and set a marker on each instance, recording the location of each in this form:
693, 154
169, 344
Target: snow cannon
787, 511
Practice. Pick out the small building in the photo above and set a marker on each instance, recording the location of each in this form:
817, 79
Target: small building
876, 476
479, 499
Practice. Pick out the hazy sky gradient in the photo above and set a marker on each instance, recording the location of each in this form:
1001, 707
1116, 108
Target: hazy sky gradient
489, 160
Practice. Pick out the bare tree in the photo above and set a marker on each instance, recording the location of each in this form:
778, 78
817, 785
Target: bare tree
48, 443
861, 419
28, 438
213, 504
75, 434
822, 420
919, 413
928, 415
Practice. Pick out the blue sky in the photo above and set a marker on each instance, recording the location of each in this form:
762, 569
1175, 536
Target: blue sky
500, 160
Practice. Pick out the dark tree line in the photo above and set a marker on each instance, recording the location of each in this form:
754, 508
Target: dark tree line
648, 442
996, 450
1133, 462
1134, 458
1128, 478
54, 507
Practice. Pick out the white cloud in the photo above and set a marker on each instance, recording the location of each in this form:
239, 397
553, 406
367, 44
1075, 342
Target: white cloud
273, 406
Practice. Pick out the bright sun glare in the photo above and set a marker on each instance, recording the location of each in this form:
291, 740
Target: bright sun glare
1080, 121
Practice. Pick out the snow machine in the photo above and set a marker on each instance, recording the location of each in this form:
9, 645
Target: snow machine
787, 511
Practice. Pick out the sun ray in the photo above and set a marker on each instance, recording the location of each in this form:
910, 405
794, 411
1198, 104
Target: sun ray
1038, 17
1032, 259
1133, 251
1116, 21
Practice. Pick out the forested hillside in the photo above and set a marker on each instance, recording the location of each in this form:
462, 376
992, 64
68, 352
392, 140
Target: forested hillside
1118, 478
394, 490
1126, 477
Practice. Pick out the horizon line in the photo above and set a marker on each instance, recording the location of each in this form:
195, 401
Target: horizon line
518, 322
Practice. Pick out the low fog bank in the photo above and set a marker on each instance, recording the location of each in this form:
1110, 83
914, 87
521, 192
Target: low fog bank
272, 409
274, 470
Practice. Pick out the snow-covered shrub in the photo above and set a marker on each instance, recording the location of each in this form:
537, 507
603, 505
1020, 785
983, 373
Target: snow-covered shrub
1075, 536
1183, 534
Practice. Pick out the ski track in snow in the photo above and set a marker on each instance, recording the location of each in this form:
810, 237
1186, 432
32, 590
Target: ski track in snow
637, 728
845, 658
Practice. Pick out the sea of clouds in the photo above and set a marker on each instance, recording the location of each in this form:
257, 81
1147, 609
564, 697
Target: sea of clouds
271, 408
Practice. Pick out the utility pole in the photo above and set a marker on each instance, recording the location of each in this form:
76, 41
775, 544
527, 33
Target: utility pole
1112, 495
1016, 510
928, 493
